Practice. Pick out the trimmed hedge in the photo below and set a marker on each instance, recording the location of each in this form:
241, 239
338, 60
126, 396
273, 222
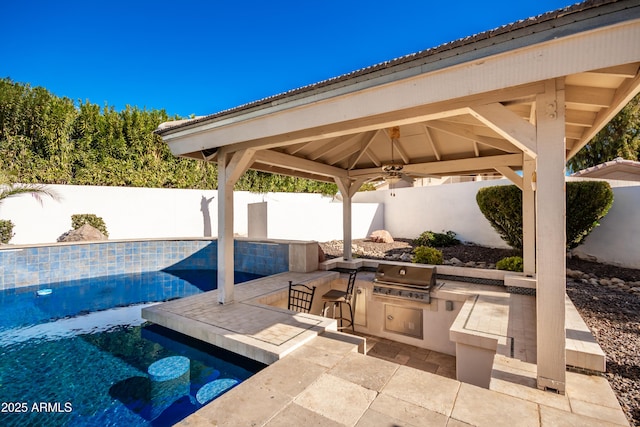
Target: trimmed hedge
78, 220
587, 202
6, 230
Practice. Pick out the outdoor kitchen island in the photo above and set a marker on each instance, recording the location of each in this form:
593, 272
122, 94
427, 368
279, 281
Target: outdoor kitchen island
472, 314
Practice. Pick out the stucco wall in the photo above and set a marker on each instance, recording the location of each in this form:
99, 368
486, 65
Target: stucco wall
133, 213
437, 208
617, 239
453, 207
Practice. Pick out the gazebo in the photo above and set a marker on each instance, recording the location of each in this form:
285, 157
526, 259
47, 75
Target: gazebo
518, 101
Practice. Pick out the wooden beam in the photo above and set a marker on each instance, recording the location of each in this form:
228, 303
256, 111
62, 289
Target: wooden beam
345, 152
580, 118
511, 175
468, 134
296, 163
225, 263
596, 96
528, 216
627, 71
624, 94
240, 162
331, 146
368, 139
295, 148
431, 142
508, 125
376, 161
289, 172
344, 185
451, 166
550, 240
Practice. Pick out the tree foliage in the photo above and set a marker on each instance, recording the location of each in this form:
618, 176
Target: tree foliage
619, 138
51, 140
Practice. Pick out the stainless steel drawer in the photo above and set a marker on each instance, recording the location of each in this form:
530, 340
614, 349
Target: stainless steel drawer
403, 320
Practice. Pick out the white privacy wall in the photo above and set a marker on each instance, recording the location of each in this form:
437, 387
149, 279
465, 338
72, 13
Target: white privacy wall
135, 213
437, 208
617, 239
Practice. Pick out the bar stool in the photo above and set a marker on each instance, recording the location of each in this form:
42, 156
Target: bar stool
300, 297
337, 297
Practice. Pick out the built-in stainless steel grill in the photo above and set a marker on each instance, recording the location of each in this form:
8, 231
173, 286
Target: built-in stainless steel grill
405, 282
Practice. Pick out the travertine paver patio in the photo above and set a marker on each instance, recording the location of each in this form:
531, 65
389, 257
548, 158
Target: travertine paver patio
318, 376
328, 383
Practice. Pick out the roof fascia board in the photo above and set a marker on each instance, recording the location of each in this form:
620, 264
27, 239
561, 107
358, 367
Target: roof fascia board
572, 24
532, 64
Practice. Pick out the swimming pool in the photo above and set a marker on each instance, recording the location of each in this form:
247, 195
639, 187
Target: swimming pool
80, 355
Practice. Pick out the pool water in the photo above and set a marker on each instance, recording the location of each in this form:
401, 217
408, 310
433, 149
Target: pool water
79, 356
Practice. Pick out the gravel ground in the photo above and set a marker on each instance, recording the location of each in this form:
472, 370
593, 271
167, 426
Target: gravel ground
612, 315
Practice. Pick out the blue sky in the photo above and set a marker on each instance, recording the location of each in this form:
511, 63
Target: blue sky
201, 57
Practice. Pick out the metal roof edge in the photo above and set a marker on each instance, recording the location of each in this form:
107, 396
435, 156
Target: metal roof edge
550, 25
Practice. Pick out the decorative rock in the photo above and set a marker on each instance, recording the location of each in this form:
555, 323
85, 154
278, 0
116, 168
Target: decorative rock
84, 233
605, 282
455, 261
381, 236
574, 274
406, 257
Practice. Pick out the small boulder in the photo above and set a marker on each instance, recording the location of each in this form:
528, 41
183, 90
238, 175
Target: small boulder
84, 233
381, 236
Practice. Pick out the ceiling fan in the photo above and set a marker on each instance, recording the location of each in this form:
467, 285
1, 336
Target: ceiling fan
392, 172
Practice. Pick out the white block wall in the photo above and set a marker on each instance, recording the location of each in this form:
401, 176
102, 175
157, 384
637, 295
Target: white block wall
133, 213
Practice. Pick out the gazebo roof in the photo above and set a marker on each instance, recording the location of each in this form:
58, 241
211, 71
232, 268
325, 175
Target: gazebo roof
464, 107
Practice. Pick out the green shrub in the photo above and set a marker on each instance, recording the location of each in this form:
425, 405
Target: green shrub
429, 238
6, 230
512, 263
96, 222
502, 206
587, 202
427, 255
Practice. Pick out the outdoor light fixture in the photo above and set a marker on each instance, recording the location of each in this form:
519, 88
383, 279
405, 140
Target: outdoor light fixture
534, 184
392, 172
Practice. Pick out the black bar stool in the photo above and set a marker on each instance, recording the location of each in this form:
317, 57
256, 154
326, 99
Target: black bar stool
300, 297
337, 297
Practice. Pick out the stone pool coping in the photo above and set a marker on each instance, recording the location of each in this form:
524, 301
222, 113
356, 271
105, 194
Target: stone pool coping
248, 326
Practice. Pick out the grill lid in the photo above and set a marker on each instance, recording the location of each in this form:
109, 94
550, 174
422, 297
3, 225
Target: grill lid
413, 276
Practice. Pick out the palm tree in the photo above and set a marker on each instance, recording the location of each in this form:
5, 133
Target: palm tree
36, 190
12, 189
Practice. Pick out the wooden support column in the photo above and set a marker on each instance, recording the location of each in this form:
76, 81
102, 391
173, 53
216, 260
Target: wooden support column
550, 237
529, 216
347, 188
230, 168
